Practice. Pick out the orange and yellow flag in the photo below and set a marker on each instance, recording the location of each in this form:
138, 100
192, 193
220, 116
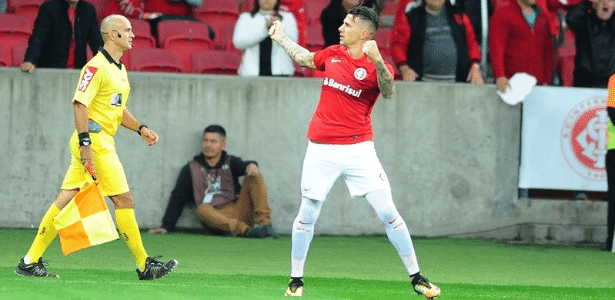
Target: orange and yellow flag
85, 221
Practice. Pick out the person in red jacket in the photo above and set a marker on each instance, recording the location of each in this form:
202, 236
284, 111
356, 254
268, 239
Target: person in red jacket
435, 41
520, 40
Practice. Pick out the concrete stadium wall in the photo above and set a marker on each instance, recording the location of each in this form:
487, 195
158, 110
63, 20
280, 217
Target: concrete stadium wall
451, 151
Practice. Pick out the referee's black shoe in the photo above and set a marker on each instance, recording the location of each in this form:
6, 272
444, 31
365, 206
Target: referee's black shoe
33, 269
155, 269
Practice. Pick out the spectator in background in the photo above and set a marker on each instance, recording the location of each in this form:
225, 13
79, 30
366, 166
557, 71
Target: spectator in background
62, 30
520, 40
594, 26
212, 181
333, 16
130, 9
261, 57
436, 42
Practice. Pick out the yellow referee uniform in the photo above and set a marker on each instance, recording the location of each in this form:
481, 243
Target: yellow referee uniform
103, 87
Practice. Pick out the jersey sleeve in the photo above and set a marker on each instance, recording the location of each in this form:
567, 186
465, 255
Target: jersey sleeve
320, 57
89, 83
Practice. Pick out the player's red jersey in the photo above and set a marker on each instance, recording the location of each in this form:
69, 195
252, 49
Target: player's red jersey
349, 92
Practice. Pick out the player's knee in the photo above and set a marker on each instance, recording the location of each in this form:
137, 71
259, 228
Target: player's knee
121, 201
394, 222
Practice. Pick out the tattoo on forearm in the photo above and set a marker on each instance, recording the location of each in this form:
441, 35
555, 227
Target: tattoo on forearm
385, 80
297, 53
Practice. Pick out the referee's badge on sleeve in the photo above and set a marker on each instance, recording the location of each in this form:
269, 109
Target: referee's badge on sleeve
88, 74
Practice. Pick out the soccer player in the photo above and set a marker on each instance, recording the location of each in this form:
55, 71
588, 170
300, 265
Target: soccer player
341, 140
100, 108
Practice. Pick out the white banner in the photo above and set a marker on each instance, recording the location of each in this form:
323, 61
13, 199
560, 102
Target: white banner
563, 139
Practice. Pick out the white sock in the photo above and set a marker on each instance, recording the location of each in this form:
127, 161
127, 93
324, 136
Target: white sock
397, 231
303, 233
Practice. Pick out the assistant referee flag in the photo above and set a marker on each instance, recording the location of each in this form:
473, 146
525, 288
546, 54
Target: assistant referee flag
85, 221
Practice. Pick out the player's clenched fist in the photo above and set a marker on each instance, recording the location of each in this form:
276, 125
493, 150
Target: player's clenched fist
370, 48
276, 31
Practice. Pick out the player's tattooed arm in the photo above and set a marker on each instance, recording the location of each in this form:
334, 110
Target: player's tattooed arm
297, 53
385, 80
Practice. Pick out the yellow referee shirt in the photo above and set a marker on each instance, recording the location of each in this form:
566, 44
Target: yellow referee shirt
103, 87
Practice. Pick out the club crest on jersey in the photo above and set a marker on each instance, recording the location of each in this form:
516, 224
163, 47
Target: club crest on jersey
360, 73
88, 74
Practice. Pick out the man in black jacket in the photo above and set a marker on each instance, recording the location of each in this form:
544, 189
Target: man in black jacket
211, 181
61, 31
593, 23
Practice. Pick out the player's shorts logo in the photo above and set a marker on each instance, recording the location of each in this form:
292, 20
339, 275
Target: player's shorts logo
583, 138
88, 74
360, 73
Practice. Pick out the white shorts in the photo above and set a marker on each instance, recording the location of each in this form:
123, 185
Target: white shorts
356, 163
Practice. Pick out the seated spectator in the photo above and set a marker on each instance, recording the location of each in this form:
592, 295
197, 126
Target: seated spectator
333, 16
212, 181
436, 42
261, 57
130, 9
62, 30
520, 40
593, 23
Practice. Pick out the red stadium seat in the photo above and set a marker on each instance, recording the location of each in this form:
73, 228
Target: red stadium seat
224, 38
383, 39
143, 35
14, 30
215, 62
18, 52
216, 13
26, 8
313, 38
184, 37
154, 60
4, 59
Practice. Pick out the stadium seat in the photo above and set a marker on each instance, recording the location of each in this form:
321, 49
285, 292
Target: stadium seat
216, 13
383, 39
154, 60
224, 37
313, 38
215, 62
18, 53
4, 59
246, 6
14, 30
184, 37
26, 8
143, 35
313, 9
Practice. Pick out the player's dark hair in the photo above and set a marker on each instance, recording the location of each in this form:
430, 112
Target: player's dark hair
367, 14
216, 129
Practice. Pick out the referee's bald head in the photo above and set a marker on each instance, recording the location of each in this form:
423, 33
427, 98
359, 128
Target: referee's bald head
367, 16
110, 24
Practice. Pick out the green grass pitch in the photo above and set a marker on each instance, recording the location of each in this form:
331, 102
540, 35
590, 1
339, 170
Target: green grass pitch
363, 267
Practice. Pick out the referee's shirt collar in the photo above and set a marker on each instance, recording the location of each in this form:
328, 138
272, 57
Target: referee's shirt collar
109, 58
